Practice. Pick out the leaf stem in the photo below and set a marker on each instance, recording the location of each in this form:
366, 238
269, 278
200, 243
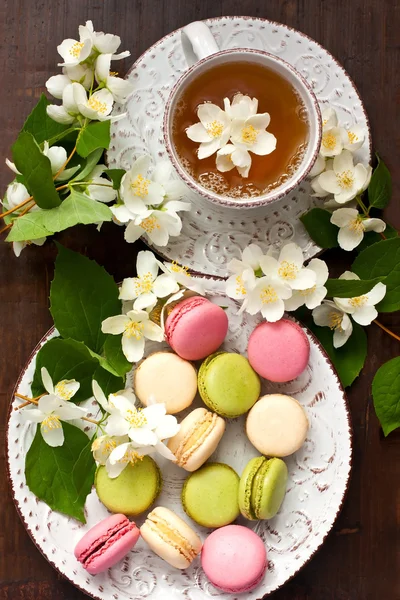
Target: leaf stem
6, 228
61, 169
389, 331
36, 401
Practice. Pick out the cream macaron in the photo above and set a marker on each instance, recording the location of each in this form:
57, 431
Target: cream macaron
170, 537
277, 425
164, 377
198, 437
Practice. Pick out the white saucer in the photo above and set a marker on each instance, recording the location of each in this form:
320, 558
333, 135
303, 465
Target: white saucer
211, 234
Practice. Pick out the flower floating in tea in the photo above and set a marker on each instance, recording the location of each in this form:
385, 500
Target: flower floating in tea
232, 133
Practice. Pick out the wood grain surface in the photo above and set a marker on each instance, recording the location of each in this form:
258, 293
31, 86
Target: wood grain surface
360, 559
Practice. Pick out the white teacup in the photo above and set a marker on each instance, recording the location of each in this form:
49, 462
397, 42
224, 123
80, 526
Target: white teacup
201, 53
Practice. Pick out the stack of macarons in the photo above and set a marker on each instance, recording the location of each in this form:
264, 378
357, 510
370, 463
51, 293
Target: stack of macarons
213, 494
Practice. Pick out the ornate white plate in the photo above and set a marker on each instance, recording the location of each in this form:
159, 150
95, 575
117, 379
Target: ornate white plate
211, 234
318, 473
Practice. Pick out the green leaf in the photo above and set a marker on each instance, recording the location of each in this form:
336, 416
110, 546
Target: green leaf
386, 395
76, 208
91, 162
82, 295
28, 227
36, 168
371, 237
95, 135
317, 221
104, 363
115, 356
41, 126
350, 358
380, 187
382, 260
349, 288
66, 359
109, 383
63, 476
115, 175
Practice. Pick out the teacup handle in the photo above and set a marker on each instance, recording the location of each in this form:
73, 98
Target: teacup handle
197, 42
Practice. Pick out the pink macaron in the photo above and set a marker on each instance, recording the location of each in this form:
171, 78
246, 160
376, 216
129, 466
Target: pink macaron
234, 559
279, 351
196, 328
106, 543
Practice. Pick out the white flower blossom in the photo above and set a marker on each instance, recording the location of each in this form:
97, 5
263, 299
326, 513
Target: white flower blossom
103, 43
148, 286
353, 137
82, 74
313, 296
345, 180
267, 296
181, 275
328, 314
318, 166
212, 132
68, 112
243, 279
138, 191
74, 52
157, 225
97, 106
100, 188
353, 226
241, 106
288, 268
104, 445
118, 87
135, 327
361, 308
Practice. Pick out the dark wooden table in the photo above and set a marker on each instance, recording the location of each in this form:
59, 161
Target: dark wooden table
360, 559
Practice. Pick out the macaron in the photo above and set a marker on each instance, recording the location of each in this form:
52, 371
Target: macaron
234, 559
106, 543
196, 327
277, 425
279, 351
228, 384
262, 487
210, 495
133, 491
170, 537
198, 437
164, 377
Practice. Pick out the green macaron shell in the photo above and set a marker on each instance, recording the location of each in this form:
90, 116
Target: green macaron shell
246, 487
210, 495
228, 384
133, 491
262, 487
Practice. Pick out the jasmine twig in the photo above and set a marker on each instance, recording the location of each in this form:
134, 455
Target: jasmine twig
389, 331
20, 205
6, 228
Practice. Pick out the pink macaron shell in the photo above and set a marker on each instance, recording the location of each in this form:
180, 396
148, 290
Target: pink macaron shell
279, 351
106, 543
234, 559
196, 328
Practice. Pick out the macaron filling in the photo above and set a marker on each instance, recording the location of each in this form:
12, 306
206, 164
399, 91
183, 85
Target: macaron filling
171, 536
250, 491
104, 542
195, 438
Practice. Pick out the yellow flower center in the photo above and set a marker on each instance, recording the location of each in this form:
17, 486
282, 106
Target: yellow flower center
358, 301
109, 446
134, 329
136, 418
177, 268
75, 50
329, 141
353, 138
356, 225
62, 391
131, 456
345, 179
144, 284
240, 289
308, 291
100, 107
268, 295
249, 134
114, 73
335, 321
51, 422
140, 186
215, 129
288, 270
149, 224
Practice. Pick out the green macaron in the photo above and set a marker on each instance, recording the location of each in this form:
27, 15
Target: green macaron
210, 495
262, 487
227, 384
133, 491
